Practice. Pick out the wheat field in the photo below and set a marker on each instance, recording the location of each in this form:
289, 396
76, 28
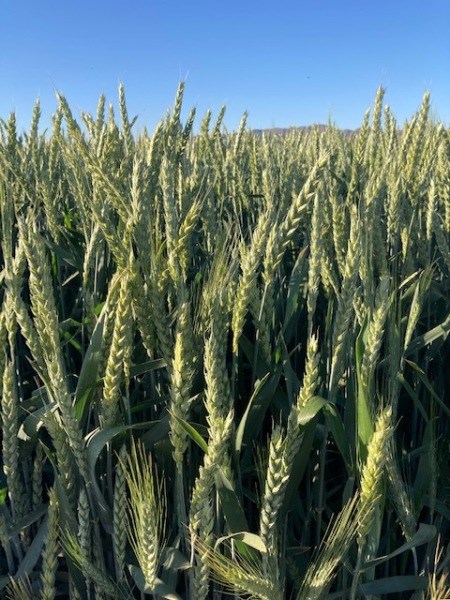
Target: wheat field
225, 358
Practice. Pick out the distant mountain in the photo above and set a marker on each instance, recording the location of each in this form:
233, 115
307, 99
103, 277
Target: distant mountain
305, 128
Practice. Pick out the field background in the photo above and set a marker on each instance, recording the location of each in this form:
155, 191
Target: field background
225, 363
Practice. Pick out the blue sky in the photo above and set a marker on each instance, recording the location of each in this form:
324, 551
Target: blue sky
285, 62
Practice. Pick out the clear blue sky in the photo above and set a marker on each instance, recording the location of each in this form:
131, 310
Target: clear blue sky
285, 62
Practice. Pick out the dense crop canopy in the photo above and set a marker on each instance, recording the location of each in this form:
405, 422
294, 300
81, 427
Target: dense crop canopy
224, 364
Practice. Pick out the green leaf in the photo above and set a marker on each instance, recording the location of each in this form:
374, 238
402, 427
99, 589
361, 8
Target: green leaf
163, 590
415, 398
310, 409
28, 431
426, 382
233, 512
192, 433
290, 377
394, 585
158, 430
160, 589
293, 293
71, 339
251, 539
29, 519
139, 579
174, 559
440, 331
336, 426
147, 367
73, 259
365, 424
439, 507
249, 350
243, 422
300, 463
255, 412
230, 503
89, 369
31, 557
425, 533
424, 473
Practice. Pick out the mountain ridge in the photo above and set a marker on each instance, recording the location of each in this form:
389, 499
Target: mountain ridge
305, 128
